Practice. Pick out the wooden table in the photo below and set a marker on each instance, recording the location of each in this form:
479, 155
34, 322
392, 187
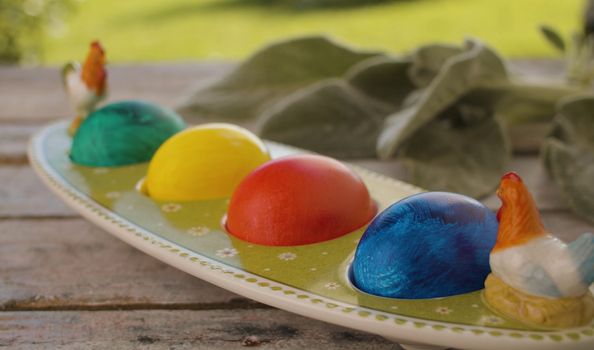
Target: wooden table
65, 283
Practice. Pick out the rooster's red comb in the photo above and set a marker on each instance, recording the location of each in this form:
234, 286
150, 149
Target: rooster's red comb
512, 176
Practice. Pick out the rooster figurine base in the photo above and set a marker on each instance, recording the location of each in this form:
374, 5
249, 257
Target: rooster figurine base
539, 311
537, 278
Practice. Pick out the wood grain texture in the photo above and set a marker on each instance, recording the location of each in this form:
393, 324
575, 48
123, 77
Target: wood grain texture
32, 95
537, 70
22, 194
13, 142
178, 329
60, 264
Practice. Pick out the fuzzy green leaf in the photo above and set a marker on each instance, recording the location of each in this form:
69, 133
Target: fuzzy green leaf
331, 117
553, 37
478, 66
270, 74
464, 151
428, 60
568, 153
385, 78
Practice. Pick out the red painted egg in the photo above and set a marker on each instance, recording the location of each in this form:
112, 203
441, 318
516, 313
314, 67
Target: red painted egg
299, 200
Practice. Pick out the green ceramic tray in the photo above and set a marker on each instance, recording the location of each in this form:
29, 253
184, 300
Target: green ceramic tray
310, 280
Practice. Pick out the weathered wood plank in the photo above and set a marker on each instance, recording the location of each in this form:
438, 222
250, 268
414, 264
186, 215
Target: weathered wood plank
179, 329
13, 142
538, 70
23, 194
71, 263
36, 94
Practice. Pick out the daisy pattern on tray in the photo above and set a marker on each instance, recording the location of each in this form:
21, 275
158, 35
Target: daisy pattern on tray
227, 252
287, 256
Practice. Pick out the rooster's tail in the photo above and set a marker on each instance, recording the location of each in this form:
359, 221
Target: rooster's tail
583, 253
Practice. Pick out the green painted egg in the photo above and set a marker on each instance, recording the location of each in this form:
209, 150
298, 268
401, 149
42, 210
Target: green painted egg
123, 133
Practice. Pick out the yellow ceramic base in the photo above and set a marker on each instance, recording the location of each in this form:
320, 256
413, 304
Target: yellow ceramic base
538, 311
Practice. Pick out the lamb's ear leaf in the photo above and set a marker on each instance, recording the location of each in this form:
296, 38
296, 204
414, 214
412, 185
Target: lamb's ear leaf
384, 78
458, 152
428, 60
568, 153
331, 117
553, 37
271, 73
477, 67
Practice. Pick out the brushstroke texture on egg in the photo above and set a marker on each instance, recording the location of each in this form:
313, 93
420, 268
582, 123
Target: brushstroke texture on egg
123, 133
429, 245
204, 162
299, 200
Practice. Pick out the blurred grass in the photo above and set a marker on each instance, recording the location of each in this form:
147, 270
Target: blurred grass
182, 30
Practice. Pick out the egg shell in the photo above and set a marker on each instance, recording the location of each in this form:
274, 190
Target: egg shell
123, 133
299, 200
429, 245
204, 162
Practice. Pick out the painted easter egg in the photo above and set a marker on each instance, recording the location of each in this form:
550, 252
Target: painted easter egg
204, 162
429, 245
298, 200
123, 133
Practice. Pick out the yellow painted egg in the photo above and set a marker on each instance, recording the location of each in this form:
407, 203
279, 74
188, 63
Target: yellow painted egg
203, 162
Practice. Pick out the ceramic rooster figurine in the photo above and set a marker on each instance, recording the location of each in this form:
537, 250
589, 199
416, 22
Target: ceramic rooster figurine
86, 86
536, 277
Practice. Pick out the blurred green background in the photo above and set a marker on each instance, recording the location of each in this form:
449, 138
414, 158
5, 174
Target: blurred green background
54, 31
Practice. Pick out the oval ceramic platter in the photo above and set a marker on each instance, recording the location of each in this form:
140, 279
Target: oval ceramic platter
310, 280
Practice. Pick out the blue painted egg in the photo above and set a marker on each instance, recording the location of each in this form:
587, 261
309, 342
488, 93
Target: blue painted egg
429, 245
123, 133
